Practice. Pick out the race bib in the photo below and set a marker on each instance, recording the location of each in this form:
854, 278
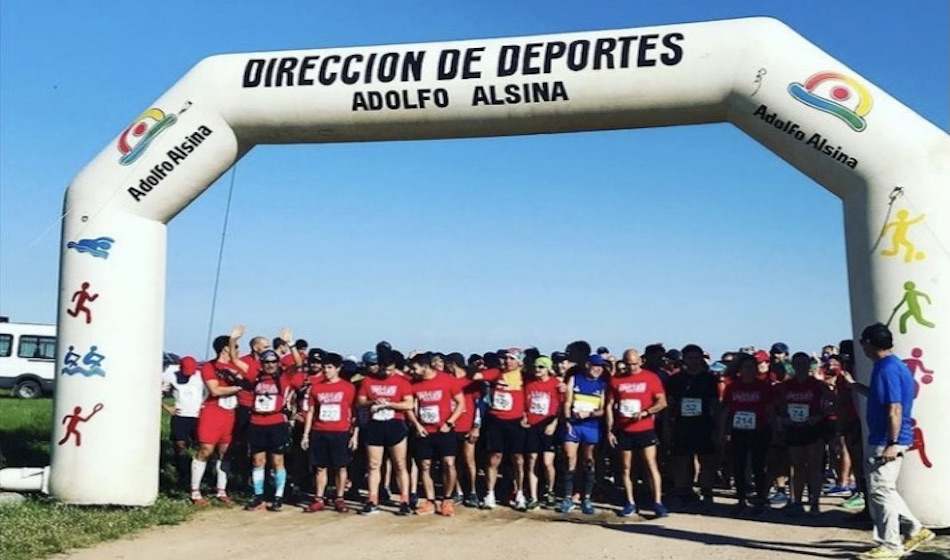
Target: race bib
630, 407
228, 403
540, 404
265, 403
429, 414
502, 401
798, 413
384, 414
330, 413
691, 407
743, 420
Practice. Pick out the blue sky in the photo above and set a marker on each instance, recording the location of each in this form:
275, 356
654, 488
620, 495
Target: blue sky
623, 238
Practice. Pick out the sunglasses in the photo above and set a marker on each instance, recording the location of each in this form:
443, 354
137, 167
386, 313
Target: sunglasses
540, 367
271, 362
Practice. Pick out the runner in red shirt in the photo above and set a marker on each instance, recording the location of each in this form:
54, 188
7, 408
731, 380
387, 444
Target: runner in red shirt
300, 475
331, 425
633, 400
803, 403
269, 432
388, 397
467, 427
748, 411
505, 425
223, 378
439, 403
543, 403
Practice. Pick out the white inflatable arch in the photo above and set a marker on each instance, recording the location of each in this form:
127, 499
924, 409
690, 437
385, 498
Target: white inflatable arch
888, 165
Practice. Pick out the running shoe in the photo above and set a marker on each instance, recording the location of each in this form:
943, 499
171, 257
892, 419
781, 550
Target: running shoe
370, 508
567, 506
424, 507
779, 498
256, 504
837, 490
316, 505
404, 509
471, 500
413, 500
919, 538
457, 499
448, 508
339, 504
660, 510
276, 505
520, 503
489, 501
549, 499
533, 505
794, 509
628, 510
881, 553
854, 502
587, 507
738, 509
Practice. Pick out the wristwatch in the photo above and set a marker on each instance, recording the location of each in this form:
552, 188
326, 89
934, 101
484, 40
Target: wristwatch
450, 424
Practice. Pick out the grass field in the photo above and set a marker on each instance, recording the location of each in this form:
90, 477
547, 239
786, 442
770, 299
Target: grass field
41, 526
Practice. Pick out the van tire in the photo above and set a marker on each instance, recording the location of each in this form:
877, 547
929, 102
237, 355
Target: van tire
27, 389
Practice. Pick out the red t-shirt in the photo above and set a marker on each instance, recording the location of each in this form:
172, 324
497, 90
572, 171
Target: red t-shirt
332, 403
435, 397
633, 394
748, 404
287, 361
471, 391
393, 388
800, 399
269, 400
245, 397
542, 399
507, 394
209, 371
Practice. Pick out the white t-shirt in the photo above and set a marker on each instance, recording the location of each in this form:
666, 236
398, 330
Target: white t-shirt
188, 395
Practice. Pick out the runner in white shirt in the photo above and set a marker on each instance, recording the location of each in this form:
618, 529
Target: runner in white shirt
188, 390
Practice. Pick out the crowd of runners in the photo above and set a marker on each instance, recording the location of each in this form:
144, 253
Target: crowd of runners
426, 432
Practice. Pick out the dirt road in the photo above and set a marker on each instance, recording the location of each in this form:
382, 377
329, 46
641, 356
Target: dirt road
500, 534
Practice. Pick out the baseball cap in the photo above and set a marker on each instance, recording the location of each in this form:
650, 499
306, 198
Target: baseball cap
315, 355
543, 361
187, 366
596, 360
718, 367
761, 356
558, 356
370, 358
779, 348
269, 355
515, 353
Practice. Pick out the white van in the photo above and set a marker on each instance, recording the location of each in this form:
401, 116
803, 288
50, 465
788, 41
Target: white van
27, 358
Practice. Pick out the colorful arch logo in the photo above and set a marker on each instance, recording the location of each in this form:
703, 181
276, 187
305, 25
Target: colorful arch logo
837, 94
135, 139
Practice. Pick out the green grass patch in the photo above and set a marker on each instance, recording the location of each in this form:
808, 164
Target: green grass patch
41, 526
25, 427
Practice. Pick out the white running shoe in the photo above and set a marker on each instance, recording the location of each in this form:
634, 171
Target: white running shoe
520, 503
489, 501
